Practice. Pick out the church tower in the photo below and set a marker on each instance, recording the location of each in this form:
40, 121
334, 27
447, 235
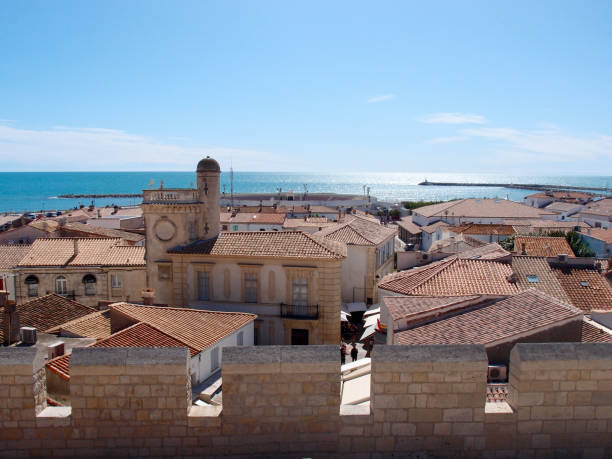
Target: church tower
209, 178
175, 217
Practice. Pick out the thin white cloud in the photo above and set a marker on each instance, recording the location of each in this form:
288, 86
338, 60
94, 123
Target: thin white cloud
554, 144
453, 118
450, 139
381, 98
67, 148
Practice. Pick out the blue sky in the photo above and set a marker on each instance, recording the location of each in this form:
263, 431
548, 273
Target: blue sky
464, 86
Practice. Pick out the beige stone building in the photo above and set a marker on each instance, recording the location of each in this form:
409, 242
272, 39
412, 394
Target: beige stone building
291, 280
87, 270
370, 249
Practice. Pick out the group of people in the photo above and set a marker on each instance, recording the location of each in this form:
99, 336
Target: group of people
343, 352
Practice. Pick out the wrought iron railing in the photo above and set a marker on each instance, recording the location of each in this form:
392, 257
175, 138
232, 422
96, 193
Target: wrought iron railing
293, 311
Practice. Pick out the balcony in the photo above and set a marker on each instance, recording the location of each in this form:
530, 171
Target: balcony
292, 311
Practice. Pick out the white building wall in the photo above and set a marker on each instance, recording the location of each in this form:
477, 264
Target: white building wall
354, 274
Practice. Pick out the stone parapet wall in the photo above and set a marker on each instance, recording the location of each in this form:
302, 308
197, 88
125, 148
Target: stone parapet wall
284, 401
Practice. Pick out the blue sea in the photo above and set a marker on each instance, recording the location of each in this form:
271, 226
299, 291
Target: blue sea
36, 191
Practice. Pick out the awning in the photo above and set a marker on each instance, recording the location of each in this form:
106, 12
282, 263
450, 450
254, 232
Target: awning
372, 320
371, 311
352, 307
344, 316
368, 332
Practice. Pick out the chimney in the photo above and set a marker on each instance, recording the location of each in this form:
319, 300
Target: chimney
599, 267
10, 319
523, 248
76, 245
99, 213
148, 296
562, 258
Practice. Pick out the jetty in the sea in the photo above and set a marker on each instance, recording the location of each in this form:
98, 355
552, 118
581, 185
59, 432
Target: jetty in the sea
96, 196
521, 186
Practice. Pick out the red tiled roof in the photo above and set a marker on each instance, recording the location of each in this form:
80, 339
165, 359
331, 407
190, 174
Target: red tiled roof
586, 288
593, 334
604, 235
519, 314
492, 251
541, 275
196, 328
408, 225
49, 311
401, 307
138, 335
89, 252
95, 325
481, 208
254, 217
453, 277
542, 246
497, 393
358, 230
11, 255
483, 229
276, 244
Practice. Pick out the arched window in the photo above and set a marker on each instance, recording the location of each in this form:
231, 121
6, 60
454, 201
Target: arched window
61, 285
90, 284
32, 282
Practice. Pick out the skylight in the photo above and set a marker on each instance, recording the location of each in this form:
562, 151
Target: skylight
584, 283
533, 278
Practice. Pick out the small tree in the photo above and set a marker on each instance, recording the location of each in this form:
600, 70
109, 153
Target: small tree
508, 243
580, 248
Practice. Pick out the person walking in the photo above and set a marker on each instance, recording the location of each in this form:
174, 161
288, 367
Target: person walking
342, 353
354, 352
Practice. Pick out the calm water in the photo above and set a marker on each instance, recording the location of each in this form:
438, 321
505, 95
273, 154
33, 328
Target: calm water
34, 191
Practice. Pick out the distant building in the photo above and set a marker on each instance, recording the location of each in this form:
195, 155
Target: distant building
542, 246
599, 240
543, 199
10, 256
409, 233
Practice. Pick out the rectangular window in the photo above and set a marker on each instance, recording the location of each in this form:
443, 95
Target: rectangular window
300, 291
214, 359
164, 272
235, 227
115, 281
203, 286
240, 338
250, 287
61, 286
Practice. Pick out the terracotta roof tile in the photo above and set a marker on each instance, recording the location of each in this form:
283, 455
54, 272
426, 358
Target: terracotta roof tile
535, 272
263, 218
518, 314
497, 393
604, 235
483, 229
49, 311
481, 208
277, 244
541, 246
408, 225
11, 255
429, 229
453, 277
196, 328
401, 307
90, 252
138, 335
358, 230
492, 251
586, 288
593, 334
456, 244
96, 325
77, 229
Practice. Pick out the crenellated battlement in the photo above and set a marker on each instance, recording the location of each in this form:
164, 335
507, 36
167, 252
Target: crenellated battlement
285, 401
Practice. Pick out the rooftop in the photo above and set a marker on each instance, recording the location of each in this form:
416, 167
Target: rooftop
195, 328
268, 244
95, 325
407, 224
520, 314
433, 227
483, 229
542, 246
586, 288
254, 217
11, 255
491, 251
561, 206
481, 208
604, 235
69, 230
83, 252
592, 333
359, 231
456, 244
535, 272
401, 307
453, 277
49, 311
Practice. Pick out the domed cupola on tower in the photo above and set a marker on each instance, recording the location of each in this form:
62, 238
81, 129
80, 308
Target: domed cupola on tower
209, 184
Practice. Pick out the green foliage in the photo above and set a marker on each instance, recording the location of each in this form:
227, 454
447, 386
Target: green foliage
395, 213
416, 204
580, 248
508, 243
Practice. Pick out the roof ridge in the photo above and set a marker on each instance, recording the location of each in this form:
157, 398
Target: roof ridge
443, 266
174, 308
55, 295
147, 324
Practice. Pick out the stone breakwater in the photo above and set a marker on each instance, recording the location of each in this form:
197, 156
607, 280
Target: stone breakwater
519, 186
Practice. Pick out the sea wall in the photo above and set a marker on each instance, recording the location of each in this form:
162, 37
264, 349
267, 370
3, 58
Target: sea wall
284, 401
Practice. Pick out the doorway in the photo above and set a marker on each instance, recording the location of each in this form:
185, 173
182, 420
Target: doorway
299, 337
